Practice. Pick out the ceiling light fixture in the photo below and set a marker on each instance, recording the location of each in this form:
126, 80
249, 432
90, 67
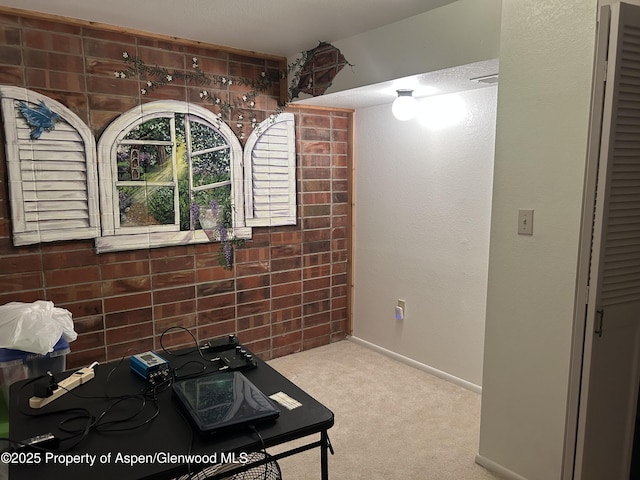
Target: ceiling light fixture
405, 106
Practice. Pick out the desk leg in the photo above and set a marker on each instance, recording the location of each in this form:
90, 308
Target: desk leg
324, 455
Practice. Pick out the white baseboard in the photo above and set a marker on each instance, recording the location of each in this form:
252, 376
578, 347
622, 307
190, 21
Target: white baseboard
420, 366
497, 468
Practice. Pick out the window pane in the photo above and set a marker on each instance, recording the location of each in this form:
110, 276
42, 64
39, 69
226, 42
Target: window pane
184, 200
151, 163
203, 137
217, 200
146, 205
211, 168
154, 129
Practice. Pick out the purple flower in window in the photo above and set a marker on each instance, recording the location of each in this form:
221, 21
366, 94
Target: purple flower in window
214, 207
222, 231
195, 212
124, 201
145, 159
122, 156
228, 255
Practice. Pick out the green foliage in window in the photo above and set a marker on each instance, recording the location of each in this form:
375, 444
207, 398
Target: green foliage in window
161, 205
201, 173
154, 129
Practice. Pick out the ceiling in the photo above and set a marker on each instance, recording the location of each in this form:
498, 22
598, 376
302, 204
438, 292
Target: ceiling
441, 82
277, 27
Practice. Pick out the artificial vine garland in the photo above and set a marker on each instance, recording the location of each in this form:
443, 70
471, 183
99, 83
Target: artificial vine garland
240, 109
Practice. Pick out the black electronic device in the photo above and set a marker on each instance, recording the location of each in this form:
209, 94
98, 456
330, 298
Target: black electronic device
150, 366
238, 359
222, 401
220, 344
228, 353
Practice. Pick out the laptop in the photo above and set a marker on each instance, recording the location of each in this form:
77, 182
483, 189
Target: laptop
223, 401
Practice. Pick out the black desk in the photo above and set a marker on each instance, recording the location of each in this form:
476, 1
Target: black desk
169, 433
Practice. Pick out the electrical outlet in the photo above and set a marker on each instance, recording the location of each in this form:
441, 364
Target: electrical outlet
400, 310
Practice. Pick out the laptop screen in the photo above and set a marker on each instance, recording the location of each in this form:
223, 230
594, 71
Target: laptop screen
223, 400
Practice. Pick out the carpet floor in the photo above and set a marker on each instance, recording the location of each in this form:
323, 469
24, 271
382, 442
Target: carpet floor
392, 421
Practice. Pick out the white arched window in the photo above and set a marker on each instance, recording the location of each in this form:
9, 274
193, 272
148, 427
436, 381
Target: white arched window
170, 174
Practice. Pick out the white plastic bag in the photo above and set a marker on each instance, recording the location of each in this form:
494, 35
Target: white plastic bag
34, 327
63, 318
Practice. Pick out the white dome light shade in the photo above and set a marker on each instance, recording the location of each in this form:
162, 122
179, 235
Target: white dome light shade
405, 106
441, 111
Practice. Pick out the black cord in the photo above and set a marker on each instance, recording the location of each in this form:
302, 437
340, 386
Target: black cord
255, 430
111, 372
203, 370
153, 390
264, 449
80, 422
81, 413
101, 423
186, 352
204, 364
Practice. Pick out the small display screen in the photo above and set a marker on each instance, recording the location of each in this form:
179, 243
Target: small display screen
150, 359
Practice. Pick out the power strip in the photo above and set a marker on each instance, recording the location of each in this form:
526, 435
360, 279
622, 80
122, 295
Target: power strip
77, 378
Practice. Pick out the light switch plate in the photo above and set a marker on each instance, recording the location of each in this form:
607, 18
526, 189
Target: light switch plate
525, 222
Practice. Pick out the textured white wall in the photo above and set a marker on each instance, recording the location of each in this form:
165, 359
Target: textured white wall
463, 32
423, 201
546, 60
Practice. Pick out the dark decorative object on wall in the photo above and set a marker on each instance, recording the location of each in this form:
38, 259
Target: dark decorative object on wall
41, 119
319, 66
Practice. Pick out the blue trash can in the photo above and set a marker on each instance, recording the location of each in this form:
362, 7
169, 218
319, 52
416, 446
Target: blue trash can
17, 365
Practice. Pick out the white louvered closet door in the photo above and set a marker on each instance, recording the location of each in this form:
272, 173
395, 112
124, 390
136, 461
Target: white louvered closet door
612, 370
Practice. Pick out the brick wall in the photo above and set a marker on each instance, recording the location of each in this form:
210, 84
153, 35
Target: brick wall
289, 287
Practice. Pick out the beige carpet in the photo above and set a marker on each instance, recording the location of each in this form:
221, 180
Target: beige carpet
392, 421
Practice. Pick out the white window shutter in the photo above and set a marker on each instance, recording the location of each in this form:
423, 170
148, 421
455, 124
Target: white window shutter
270, 173
52, 179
